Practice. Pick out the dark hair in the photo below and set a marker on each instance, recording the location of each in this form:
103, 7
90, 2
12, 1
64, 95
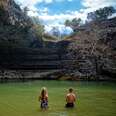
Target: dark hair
43, 93
70, 89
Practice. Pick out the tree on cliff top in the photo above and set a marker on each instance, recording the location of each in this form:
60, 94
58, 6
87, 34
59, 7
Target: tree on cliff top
101, 14
74, 23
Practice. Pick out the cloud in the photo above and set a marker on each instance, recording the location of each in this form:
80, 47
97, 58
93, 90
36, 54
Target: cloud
58, 19
112, 16
62, 29
92, 5
89, 6
31, 4
34, 2
51, 21
98, 3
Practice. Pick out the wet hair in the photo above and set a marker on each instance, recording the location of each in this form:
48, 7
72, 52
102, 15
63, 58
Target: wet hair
71, 89
43, 92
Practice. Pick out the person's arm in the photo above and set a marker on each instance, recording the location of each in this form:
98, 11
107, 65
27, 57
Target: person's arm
66, 98
39, 98
47, 97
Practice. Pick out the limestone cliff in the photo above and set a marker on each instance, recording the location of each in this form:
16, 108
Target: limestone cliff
94, 48
10, 13
89, 53
15, 26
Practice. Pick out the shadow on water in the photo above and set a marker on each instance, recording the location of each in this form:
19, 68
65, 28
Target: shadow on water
81, 83
14, 80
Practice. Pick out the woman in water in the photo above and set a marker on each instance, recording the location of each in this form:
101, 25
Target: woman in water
43, 98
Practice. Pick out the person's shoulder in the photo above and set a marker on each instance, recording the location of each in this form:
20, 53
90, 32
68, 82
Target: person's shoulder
46, 95
68, 94
74, 94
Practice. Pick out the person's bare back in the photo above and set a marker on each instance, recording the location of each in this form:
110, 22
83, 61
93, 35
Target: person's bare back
70, 98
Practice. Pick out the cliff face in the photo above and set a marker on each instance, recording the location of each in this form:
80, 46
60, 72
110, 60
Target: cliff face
20, 49
10, 13
94, 48
15, 26
89, 53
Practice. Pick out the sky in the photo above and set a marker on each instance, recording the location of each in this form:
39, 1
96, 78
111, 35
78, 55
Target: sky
55, 12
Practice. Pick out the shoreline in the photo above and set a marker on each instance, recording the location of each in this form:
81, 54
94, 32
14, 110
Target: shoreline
31, 75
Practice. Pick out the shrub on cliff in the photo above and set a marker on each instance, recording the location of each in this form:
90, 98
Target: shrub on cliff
101, 14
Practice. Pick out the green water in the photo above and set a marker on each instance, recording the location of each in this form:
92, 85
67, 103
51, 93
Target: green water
93, 99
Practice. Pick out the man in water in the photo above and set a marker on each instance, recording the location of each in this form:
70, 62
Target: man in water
70, 98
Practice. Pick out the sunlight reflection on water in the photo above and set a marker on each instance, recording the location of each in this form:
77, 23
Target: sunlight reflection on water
58, 114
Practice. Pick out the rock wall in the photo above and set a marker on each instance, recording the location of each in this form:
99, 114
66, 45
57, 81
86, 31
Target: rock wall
10, 13
88, 54
94, 45
16, 27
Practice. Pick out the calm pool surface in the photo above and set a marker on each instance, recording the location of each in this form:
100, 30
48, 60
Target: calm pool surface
93, 98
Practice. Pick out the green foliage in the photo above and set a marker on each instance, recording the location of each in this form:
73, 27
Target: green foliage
49, 37
71, 36
101, 14
67, 23
25, 10
74, 23
39, 30
36, 20
38, 27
